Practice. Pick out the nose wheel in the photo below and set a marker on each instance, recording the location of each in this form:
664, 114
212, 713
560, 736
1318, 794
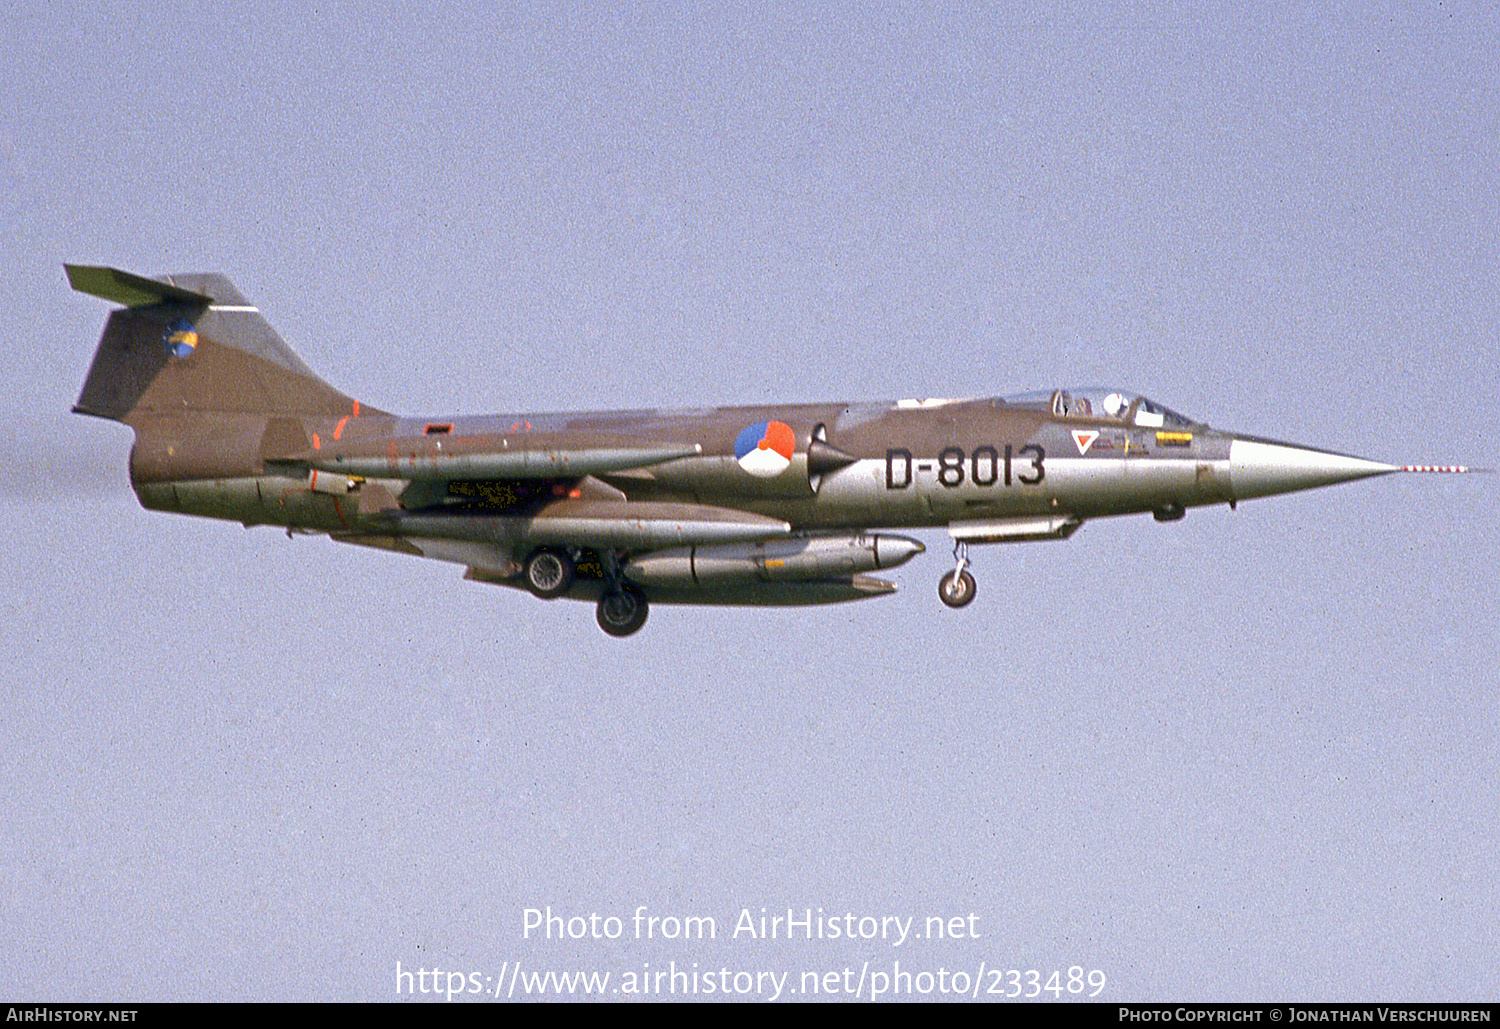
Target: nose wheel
957, 588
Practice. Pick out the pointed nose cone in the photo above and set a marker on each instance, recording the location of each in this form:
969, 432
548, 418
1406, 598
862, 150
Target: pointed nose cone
1259, 468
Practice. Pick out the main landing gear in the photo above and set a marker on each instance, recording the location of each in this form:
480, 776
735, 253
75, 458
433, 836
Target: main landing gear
957, 588
622, 608
549, 573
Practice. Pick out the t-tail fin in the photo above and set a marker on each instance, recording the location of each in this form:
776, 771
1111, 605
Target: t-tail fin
192, 342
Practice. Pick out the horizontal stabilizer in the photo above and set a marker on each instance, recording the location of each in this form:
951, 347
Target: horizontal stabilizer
130, 290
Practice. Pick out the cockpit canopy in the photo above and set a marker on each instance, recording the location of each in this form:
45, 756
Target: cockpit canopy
1101, 404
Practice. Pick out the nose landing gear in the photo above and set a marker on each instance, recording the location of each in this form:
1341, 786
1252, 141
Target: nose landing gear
957, 588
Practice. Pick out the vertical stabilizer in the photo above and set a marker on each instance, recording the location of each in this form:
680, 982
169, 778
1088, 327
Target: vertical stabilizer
192, 342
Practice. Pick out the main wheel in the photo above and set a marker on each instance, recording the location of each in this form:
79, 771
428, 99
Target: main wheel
622, 610
956, 588
549, 573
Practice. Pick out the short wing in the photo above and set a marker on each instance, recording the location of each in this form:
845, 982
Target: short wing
413, 460
495, 497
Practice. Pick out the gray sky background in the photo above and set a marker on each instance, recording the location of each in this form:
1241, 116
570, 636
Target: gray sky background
1250, 755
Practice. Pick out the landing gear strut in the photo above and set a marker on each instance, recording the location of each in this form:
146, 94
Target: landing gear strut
957, 588
622, 606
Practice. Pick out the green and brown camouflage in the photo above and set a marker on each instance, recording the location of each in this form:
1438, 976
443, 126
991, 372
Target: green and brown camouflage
757, 505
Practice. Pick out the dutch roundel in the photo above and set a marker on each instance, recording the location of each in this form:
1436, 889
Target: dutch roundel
765, 448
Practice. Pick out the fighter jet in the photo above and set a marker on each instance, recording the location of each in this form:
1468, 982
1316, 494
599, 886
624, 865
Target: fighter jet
756, 505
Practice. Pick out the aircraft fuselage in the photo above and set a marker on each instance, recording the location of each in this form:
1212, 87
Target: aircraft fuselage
776, 504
